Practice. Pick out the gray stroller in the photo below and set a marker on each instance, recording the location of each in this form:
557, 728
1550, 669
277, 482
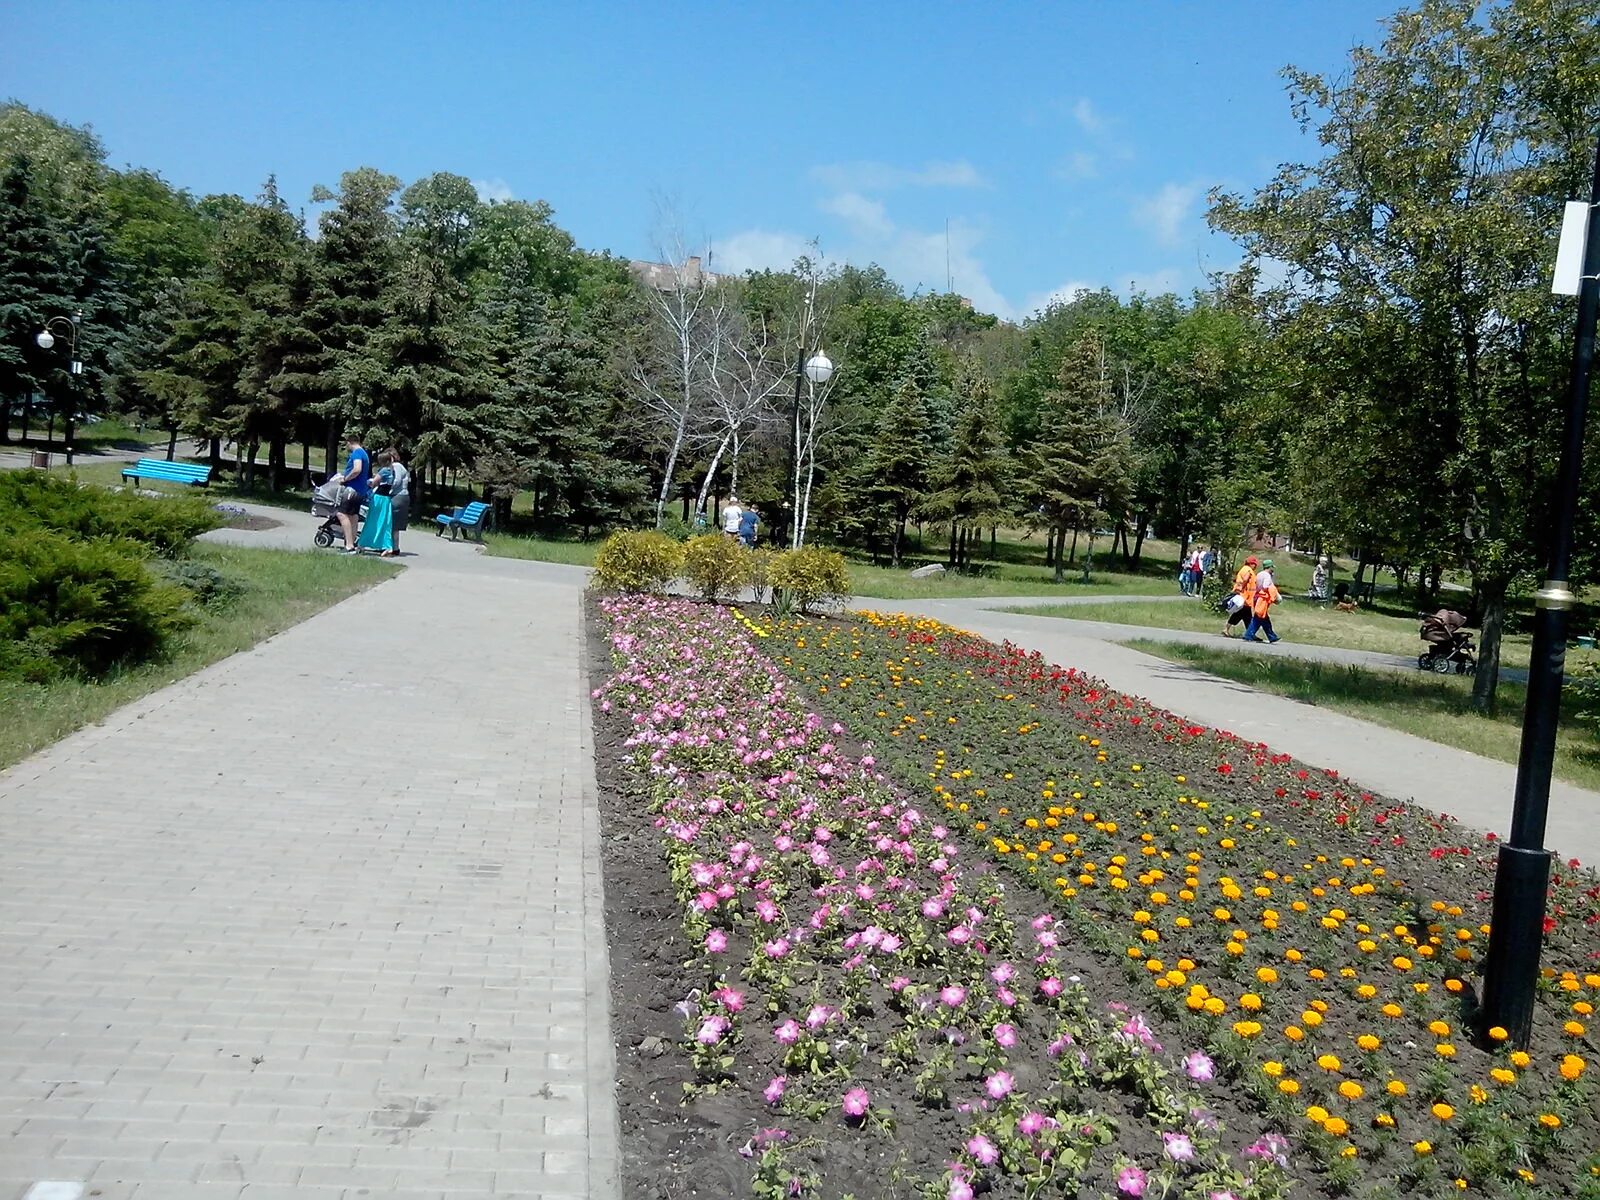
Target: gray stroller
325, 503
1450, 646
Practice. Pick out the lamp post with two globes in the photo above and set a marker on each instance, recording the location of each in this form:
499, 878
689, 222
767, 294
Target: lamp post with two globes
46, 339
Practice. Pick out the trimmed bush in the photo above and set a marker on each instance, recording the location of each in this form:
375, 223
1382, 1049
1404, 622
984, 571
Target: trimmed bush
761, 560
34, 500
811, 576
716, 566
72, 607
637, 561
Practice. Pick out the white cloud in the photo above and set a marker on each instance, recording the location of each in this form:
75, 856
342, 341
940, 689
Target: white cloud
866, 218
882, 177
1087, 116
757, 250
1064, 294
1077, 166
492, 189
1165, 213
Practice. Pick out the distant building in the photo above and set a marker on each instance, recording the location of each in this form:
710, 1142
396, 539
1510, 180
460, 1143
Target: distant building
663, 276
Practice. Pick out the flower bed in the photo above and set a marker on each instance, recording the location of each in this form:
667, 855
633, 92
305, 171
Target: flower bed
877, 1009
1319, 941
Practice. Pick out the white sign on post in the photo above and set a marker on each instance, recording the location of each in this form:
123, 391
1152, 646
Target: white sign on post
1569, 258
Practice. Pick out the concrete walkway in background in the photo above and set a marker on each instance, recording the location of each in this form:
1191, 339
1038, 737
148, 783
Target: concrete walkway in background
1469, 787
324, 920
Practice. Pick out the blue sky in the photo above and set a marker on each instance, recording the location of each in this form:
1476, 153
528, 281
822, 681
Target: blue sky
1066, 144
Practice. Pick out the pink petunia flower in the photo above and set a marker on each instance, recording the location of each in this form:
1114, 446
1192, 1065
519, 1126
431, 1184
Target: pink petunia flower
1131, 1181
788, 1033
716, 941
999, 1085
1179, 1148
1199, 1067
983, 1150
1051, 987
774, 1090
953, 996
1005, 1035
856, 1102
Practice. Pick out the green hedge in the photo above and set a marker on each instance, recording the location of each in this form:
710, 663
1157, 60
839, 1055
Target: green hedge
79, 607
34, 500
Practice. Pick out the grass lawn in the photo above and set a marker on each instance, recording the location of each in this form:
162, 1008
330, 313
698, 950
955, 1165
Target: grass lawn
1009, 580
514, 545
1379, 629
1436, 707
109, 433
280, 588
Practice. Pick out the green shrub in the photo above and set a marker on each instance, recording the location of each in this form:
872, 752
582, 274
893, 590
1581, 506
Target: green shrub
72, 607
716, 566
761, 561
34, 500
676, 528
811, 576
637, 561
210, 587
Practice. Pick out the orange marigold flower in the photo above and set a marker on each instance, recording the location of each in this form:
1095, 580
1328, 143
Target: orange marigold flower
1368, 1042
1443, 1111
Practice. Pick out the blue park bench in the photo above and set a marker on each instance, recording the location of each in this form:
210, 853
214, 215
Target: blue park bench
469, 521
196, 474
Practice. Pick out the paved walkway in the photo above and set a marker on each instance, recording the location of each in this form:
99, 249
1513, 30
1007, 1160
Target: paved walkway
286, 930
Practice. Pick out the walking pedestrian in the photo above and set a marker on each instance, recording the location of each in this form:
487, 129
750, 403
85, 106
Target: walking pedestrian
1266, 595
1197, 572
732, 514
749, 521
1240, 602
357, 479
377, 531
1319, 579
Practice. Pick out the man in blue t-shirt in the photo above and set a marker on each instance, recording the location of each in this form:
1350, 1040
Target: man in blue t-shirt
748, 520
357, 477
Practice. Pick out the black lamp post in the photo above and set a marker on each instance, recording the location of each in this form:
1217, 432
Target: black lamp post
818, 369
68, 327
1522, 873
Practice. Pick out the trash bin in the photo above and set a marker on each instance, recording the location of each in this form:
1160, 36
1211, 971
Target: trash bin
41, 458
1586, 643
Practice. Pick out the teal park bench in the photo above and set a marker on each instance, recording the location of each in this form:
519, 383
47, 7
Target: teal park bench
468, 521
196, 474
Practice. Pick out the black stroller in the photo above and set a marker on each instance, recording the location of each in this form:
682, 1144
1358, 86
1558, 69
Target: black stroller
1450, 646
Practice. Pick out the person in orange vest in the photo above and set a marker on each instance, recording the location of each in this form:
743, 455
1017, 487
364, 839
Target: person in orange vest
1266, 595
1244, 586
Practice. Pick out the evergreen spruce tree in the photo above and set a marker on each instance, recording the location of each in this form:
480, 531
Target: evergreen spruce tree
35, 284
974, 480
899, 460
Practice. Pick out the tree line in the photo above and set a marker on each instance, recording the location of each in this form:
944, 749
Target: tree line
1379, 376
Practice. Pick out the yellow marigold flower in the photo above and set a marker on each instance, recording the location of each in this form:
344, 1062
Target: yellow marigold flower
1311, 1017
1401, 962
1294, 1033
1575, 1028
1273, 1069
1422, 1147
1247, 1029
1439, 1029
1328, 1062
1502, 1075
1317, 1113
1550, 1120
1288, 1087
1520, 1059
1337, 1126
1395, 1087
1571, 1067
1525, 1175
1445, 1050
1368, 1042
1366, 945
1250, 1002
1351, 1090
1391, 1010
1266, 975
1383, 1120
1293, 955
1498, 1033
1443, 1111
1216, 1006
1366, 991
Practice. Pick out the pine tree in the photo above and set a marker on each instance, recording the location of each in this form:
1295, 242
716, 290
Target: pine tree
898, 462
974, 480
35, 284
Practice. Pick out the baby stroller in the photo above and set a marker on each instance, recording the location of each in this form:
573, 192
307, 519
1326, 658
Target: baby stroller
1449, 645
325, 504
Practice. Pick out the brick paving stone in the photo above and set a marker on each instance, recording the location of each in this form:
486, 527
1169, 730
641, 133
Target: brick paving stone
324, 919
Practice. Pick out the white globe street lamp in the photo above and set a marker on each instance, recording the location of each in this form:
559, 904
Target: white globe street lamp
46, 339
819, 368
